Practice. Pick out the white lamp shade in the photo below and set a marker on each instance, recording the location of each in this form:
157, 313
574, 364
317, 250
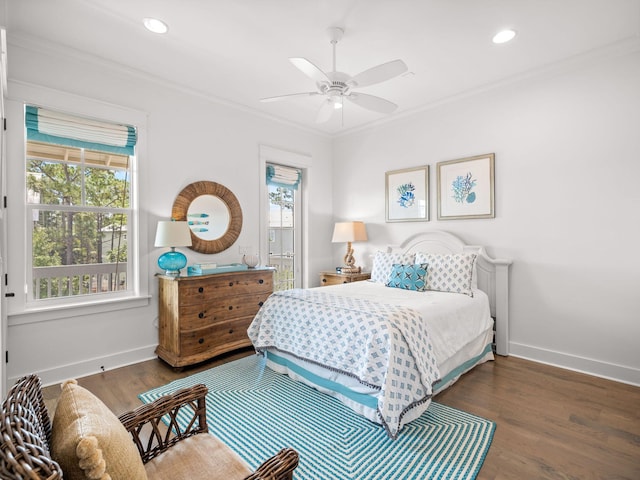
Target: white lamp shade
349, 232
173, 234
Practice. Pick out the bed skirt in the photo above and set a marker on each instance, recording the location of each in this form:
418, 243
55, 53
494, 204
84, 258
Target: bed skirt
364, 399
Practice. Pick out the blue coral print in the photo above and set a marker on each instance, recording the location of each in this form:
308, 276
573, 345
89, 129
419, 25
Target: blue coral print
462, 189
406, 196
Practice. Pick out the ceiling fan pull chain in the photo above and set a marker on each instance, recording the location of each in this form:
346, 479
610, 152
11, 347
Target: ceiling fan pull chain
333, 42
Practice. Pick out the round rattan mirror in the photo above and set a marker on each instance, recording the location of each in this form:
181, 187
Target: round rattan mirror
213, 213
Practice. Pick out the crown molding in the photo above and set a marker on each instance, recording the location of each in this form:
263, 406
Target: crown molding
621, 48
39, 45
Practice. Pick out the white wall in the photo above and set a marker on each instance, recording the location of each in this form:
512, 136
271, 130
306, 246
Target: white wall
567, 148
189, 138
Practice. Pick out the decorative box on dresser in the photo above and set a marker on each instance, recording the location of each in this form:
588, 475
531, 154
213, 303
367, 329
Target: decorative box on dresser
201, 316
334, 278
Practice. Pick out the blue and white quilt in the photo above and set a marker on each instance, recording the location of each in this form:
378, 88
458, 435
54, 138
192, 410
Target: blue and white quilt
386, 347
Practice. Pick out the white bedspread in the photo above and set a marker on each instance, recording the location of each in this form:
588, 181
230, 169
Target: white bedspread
454, 319
384, 346
397, 354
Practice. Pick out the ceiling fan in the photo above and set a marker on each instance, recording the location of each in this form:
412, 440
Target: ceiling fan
336, 86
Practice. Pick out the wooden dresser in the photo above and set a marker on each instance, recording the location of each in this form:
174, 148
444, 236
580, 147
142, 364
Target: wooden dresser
202, 316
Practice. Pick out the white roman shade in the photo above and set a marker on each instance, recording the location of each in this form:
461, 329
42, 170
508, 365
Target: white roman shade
62, 129
286, 177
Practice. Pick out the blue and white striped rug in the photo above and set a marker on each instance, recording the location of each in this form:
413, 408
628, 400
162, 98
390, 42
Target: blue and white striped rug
257, 411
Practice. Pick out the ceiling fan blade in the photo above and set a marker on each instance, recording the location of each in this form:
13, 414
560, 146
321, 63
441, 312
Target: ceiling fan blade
325, 112
310, 70
380, 73
372, 102
285, 97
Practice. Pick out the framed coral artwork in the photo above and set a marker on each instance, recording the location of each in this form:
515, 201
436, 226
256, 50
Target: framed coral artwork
407, 195
466, 188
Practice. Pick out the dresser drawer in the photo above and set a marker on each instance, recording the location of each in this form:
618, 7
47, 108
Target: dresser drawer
215, 310
193, 292
334, 278
204, 340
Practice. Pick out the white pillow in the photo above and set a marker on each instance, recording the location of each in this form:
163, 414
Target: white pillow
449, 273
383, 264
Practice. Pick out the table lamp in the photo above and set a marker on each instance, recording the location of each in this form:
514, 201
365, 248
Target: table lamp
349, 232
172, 234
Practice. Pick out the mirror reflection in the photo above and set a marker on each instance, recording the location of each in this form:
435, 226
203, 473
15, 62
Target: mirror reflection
208, 217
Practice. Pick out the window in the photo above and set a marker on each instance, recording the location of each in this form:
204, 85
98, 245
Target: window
284, 230
284, 207
78, 174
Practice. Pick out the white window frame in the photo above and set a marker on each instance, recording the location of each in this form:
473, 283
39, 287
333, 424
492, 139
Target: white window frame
297, 233
288, 159
20, 309
3, 191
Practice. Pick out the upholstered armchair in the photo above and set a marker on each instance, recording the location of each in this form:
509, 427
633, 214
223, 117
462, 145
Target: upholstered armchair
87, 441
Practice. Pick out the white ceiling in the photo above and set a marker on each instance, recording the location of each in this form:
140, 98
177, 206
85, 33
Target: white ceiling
237, 51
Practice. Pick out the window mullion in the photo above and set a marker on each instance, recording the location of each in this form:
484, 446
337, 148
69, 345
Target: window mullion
83, 196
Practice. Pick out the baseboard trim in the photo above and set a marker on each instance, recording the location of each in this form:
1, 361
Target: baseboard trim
60, 373
610, 371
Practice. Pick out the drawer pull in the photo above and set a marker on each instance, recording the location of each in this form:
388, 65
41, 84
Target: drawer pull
231, 330
201, 341
261, 281
231, 284
324, 280
200, 289
201, 315
260, 304
230, 307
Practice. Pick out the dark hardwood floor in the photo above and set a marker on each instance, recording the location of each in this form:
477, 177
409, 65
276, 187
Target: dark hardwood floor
551, 423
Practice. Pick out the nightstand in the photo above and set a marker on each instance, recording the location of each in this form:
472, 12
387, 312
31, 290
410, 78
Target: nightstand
334, 278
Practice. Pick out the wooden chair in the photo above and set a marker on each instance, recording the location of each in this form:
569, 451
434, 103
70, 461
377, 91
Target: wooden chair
35, 448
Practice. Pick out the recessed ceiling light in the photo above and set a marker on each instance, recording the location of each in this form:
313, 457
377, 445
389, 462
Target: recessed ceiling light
154, 25
504, 36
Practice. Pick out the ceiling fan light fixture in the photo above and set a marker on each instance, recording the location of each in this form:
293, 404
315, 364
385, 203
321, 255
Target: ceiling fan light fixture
154, 25
504, 36
334, 86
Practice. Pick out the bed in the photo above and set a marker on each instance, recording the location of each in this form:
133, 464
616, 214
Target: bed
433, 309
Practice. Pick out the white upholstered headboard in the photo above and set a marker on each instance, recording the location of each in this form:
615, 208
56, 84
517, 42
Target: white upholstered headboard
492, 275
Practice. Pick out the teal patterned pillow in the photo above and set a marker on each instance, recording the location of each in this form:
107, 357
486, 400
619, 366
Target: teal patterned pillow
409, 277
